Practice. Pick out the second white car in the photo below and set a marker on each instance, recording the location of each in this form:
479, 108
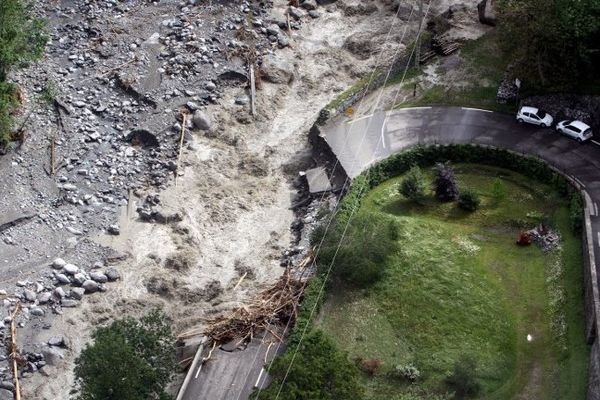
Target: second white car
578, 130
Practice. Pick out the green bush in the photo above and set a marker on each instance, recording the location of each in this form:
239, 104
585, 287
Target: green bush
128, 360
576, 213
413, 186
318, 370
357, 251
444, 185
469, 200
22, 39
463, 379
406, 372
498, 191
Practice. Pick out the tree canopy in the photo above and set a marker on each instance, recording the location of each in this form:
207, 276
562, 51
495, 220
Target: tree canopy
128, 360
554, 43
319, 371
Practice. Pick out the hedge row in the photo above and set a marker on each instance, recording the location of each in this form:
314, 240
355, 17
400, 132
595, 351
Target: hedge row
424, 156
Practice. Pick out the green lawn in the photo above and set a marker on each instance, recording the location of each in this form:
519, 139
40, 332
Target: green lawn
460, 286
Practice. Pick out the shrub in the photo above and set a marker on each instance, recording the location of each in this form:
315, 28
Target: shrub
413, 186
576, 213
469, 200
357, 252
369, 366
407, 372
444, 185
463, 380
498, 191
318, 371
129, 360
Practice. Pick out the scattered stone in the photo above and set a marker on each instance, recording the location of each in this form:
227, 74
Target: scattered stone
62, 278
90, 286
36, 311
44, 297
6, 394
29, 295
56, 341
114, 229
201, 120
79, 279
487, 12
112, 274
59, 293
77, 293
53, 356
276, 69
71, 269
67, 303
98, 277
58, 263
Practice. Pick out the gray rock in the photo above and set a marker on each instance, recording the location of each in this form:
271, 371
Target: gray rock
192, 106
283, 40
114, 229
36, 311
296, 13
242, 100
77, 293
90, 286
314, 14
210, 86
6, 394
59, 293
201, 120
79, 279
273, 29
62, 278
56, 341
112, 274
69, 303
44, 297
71, 269
58, 263
7, 385
53, 356
69, 187
29, 295
487, 12
276, 69
309, 4
98, 277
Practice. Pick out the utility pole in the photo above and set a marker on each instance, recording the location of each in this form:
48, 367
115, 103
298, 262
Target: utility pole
418, 43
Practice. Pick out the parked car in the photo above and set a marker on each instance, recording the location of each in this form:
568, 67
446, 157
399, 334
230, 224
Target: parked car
534, 116
575, 129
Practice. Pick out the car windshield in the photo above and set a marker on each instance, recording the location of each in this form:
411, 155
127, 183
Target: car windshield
541, 114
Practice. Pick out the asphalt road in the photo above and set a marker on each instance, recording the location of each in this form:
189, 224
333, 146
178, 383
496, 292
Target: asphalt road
232, 375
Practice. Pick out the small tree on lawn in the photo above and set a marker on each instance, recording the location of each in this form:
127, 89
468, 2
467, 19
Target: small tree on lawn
469, 200
128, 360
413, 186
444, 185
463, 380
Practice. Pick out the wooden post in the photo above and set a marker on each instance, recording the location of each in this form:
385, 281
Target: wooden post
13, 355
183, 123
252, 89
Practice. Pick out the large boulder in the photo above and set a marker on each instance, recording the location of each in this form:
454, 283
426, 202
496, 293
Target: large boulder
276, 69
487, 12
201, 121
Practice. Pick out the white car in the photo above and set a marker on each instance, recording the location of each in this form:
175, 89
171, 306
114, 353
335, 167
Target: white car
575, 129
534, 116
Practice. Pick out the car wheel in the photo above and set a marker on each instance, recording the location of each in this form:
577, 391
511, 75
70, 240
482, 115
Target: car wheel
580, 140
520, 120
543, 125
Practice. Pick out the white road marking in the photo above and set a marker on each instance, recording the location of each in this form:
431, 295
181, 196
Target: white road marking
578, 181
383, 133
596, 208
361, 118
598, 238
259, 376
476, 109
411, 108
597, 143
